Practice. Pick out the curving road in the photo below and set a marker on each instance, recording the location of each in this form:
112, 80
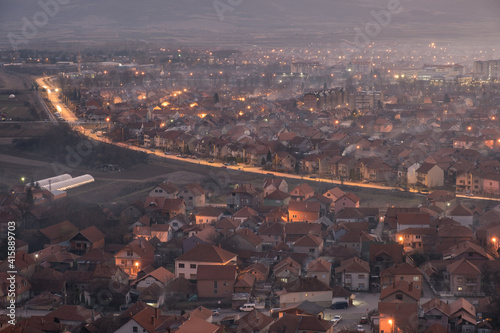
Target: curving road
70, 117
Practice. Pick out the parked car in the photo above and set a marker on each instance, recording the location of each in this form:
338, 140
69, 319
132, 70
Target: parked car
336, 319
247, 307
215, 312
340, 305
363, 320
360, 328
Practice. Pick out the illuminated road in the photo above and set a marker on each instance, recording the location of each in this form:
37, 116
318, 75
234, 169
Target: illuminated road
53, 96
70, 117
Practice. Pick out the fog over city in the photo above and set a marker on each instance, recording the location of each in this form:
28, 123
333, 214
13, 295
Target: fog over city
237, 166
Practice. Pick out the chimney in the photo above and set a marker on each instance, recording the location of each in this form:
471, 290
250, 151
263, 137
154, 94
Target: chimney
410, 288
152, 320
157, 313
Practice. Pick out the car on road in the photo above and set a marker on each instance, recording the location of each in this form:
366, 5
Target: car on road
179, 155
336, 319
247, 307
340, 305
224, 167
363, 320
211, 161
215, 312
424, 191
360, 328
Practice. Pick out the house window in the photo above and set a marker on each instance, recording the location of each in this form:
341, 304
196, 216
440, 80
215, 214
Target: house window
361, 286
215, 291
311, 250
181, 275
134, 329
181, 265
129, 254
471, 280
459, 279
215, 284
348, 276
361, 276
190, 198
399, 297
416, 278
192, 276
124, 262
192, 266
459, 288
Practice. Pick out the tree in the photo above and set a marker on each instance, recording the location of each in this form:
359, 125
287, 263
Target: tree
29, 197
446, 98
269, 156
216, 98
263, 161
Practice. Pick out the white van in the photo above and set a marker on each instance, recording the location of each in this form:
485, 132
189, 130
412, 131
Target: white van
247, 307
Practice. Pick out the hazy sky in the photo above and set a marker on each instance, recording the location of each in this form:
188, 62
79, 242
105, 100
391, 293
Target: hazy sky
247, 22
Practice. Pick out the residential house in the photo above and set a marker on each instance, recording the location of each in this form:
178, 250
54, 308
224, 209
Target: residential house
402, 272
147, 319
418, 239
355, 239
135, 256
461, 214
286, 271
398, 317
166, 190
209, 215
243, 214
60, 233
245, 239
450, 235
272, 234
348, 200
86, 240
187, 264
193, 195
376, 170
276, 198
245, 195
383, 256
178, 221
273, 184
305, 289
320, 269
430, 175
334, 194
310, 245
160, 276
284, 161
215, 281
491, 184
198, 237
304, 211
462, 316
464, 278
354, 274
401, 291
436, 312
255, 322
260, 271
412, 220
161, 208
21, 289
161, 231
302, 192
294, 231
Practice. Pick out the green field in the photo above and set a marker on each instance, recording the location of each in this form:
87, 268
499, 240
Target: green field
15, 108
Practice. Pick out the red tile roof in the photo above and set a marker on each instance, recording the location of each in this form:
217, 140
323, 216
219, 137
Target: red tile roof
401, 287
207, 253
